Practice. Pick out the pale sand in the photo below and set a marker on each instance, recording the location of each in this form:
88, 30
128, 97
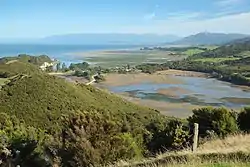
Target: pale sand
166, 77
129, 79
181, 110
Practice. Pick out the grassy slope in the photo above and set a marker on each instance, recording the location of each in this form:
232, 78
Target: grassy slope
228, 152
18, 67
40, 99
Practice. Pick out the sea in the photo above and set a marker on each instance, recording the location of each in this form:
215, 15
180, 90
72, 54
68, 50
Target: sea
63, 53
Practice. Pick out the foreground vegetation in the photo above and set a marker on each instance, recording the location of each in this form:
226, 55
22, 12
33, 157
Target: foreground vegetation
46, 121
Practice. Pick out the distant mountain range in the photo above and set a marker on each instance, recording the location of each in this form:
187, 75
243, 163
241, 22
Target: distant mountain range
209, 39
130, 39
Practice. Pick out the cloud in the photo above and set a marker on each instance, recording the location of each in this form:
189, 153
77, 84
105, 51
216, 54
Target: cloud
225, 3
150, 16
181, 16
235, 23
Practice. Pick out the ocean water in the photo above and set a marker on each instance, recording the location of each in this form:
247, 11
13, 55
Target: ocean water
59, 52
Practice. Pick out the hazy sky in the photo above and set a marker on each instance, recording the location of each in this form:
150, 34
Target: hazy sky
40, 18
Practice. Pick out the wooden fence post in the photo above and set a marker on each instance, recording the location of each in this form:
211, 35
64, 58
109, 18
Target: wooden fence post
195, 138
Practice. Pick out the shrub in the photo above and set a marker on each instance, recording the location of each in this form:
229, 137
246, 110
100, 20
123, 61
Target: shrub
91, 138
21, 145
173, 136
244, 118
219, 120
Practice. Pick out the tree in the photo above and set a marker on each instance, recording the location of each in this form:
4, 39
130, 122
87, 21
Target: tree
64, 67
219, 120
243, 119
58, 66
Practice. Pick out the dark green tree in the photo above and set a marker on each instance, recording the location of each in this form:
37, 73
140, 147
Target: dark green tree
58, 66
244, 118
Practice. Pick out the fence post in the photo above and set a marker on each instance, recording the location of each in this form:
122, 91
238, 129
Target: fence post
195, 138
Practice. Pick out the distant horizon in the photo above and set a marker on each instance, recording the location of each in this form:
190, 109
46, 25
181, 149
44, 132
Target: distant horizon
137, 34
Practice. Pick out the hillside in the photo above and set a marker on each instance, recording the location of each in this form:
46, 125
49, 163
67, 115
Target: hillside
40, 99
234, 48
50, 111
209, 39
35, 60
53, 122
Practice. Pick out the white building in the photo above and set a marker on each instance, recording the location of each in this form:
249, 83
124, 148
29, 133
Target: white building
45, 65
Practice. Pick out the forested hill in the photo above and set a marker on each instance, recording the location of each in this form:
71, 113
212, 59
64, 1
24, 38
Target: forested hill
209, 39
236, 48
36, 60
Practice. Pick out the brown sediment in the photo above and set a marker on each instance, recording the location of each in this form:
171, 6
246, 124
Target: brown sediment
181, 110
173, 91
128, 79
166, 77
182, 73
237, 100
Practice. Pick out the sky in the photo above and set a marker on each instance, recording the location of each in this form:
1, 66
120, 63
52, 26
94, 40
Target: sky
41, 18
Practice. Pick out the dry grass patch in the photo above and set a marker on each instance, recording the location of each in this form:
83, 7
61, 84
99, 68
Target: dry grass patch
233, 151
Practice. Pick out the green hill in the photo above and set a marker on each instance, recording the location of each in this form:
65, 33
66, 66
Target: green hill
40, 99
15, 67
36, 60
77, 123
234, 49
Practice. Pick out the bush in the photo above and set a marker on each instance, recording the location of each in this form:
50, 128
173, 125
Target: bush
20, 144
173, 136
243, 119
91, 138
219, 120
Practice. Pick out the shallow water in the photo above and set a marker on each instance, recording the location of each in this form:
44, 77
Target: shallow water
64, 53
198, 91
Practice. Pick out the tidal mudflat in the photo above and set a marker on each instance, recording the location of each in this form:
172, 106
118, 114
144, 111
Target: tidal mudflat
176, 92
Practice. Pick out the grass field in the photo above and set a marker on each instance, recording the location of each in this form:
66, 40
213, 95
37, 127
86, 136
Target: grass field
216, 60
131, 57
191, 52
